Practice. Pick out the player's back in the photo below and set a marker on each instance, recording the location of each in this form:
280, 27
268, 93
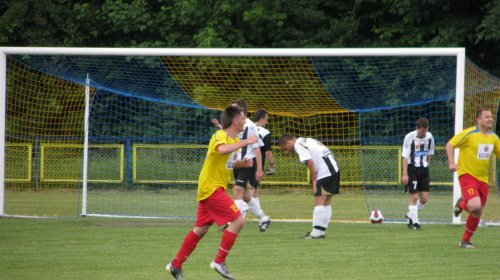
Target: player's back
325, 162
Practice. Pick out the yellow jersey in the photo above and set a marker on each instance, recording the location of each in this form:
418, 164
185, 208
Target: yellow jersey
475, 151
216, 168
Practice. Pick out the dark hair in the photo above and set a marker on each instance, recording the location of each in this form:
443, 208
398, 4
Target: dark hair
422, 123
229, 114
259, 114
242, 104
480, 112
285, 137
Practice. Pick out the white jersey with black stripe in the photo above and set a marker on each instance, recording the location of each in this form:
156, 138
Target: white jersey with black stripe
417, 150
263, 132
309, 148
249, 129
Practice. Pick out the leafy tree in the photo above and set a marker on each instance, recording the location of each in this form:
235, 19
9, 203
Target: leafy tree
474, 25
260, 23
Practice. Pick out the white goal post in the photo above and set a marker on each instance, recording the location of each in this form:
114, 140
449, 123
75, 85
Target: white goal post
459, 53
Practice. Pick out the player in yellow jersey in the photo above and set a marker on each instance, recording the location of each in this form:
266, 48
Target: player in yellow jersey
214, 205
476, 145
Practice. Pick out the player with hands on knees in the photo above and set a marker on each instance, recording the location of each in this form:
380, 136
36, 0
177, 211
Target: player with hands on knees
325, 177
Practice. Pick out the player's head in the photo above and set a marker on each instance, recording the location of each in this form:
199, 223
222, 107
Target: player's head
286, 142
422, 126
242, 104
233, 115
484, 118
261, 117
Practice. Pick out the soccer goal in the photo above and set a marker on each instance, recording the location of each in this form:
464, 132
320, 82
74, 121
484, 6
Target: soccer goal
123, 132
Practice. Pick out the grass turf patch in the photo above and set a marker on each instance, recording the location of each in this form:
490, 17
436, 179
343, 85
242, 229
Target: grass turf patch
108, 248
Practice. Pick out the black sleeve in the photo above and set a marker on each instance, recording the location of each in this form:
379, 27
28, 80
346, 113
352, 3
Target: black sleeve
267, 143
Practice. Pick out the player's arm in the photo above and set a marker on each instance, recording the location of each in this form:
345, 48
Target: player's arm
496, 148
229, 148
312, 170
258, 158
450, 152
270, 158
269, 155
248, 162
216, 123
404, 178
406, 153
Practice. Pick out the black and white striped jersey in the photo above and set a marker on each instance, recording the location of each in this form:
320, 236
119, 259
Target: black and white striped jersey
249, 129
417, 150
309, 148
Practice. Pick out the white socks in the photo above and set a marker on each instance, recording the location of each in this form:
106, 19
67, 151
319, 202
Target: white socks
420, 205
328, 216
239, 203
257, 200
254, 206
321, 218
413, 213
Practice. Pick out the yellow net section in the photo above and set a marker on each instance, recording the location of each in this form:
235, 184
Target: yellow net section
290, 185
291, 91
283, 86
42, 109
483, 91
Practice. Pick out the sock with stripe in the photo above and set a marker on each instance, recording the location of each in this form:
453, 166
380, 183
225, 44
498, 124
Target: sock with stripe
470, 227
318, 219
227, 242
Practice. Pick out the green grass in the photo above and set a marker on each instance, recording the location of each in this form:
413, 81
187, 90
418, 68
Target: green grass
350, 205
105, 248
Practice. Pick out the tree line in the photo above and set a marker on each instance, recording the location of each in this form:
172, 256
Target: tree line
256, 24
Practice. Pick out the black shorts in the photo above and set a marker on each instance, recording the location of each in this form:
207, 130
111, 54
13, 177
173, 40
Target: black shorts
419, 179
328, 185
246, 175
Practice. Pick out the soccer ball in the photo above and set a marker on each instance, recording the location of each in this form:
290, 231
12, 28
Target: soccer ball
376, 217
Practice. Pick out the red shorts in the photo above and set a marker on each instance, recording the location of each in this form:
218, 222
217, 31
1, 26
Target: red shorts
472, 187
218, 208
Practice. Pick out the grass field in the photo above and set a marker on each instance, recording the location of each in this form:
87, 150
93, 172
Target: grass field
112, 248
280, 204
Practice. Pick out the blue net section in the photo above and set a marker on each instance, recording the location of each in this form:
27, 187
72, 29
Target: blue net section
378, 83
140, 77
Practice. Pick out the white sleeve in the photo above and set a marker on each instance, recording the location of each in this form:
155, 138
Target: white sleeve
251, 131
407, 146
303, 152
431, 148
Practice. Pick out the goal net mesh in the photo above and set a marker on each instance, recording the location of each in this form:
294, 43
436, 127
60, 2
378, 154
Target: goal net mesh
150, 122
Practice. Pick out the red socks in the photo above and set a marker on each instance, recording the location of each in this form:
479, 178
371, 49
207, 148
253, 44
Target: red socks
470, 227
191, 241
463, 205
228, 239
188, 246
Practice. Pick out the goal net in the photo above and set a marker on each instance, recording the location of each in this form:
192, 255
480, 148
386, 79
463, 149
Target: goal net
140, 151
